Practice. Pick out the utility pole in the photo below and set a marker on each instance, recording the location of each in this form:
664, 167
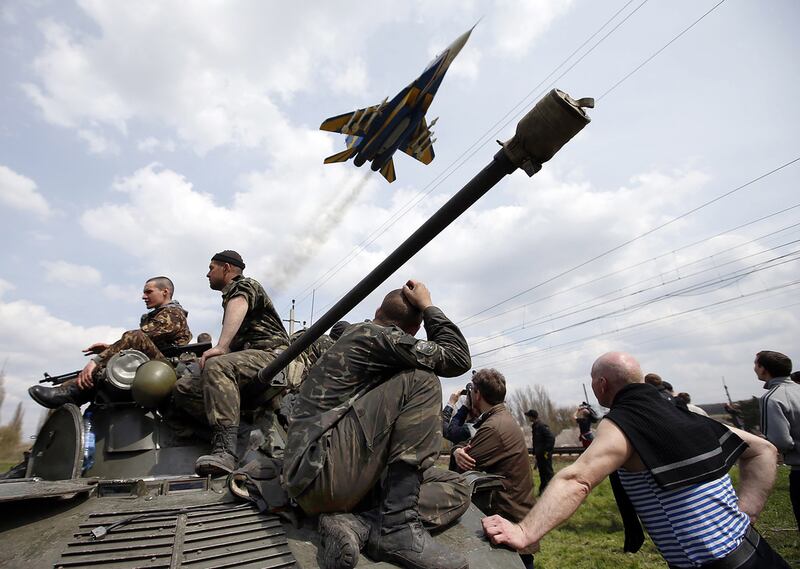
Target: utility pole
291, 319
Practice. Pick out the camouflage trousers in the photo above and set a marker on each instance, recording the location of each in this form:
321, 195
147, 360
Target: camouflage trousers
398, 421
130, 340
214, 397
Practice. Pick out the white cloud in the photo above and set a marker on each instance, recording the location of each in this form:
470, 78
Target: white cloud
152, 144
97, 143
26, 329
467, 64
120, 293
5, 286
517, 24
352, 79
216, 76
19, 192
69, 274
213, 87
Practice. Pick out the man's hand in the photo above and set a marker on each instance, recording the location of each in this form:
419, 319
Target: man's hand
503, 532
212, 352
463, 459
95, 348
454, 397
85, 380
417, 294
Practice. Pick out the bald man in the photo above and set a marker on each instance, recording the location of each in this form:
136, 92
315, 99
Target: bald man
668, 467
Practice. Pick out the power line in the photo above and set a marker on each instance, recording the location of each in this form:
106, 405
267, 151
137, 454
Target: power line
573, 310
655, 320
564, 347
665, 46
634, 239
651, 259
735, 275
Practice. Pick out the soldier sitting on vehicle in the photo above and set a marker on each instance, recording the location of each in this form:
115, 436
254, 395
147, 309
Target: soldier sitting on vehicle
370, 408
164, 326
252, 335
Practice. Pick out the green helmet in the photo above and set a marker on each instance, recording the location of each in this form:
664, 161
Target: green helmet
153, 383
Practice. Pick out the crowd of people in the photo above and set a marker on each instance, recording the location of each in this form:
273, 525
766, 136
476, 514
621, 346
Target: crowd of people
365, 427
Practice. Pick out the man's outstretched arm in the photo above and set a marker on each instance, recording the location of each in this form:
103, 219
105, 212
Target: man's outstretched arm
566, 491
757, 468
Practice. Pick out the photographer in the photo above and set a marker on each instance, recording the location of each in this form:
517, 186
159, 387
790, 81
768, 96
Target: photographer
498, 447
458, 428
585, 415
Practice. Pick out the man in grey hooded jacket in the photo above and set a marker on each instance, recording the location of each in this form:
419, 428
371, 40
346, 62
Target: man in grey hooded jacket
780, 415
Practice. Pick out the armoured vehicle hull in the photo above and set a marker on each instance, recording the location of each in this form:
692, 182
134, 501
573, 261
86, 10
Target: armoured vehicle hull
141, 505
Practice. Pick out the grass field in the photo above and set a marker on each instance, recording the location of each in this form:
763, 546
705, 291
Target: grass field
593, 537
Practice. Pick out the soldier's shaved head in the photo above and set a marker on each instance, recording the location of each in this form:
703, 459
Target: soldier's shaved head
611, 372
396, 309
162, 283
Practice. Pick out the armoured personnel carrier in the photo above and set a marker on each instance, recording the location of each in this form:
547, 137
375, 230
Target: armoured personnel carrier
123, 494
134, 501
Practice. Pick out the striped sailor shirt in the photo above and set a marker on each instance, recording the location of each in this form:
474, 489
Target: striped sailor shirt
691, 525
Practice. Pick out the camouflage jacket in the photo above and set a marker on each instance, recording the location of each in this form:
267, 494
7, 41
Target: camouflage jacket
315, 350
261, 328
365, 356
165, 326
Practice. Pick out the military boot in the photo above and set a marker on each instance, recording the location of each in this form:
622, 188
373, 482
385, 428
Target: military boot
343, 537
398, 536
223, 459
55, 397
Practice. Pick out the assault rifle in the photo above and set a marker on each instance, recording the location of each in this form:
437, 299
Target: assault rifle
59, 379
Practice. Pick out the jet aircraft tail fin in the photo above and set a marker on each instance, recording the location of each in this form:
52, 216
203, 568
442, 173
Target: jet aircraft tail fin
388, 171
342, 156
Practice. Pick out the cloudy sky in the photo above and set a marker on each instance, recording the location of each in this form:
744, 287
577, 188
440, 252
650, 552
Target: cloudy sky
138, 138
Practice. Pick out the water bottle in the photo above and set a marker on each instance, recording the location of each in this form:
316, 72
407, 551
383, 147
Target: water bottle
88, 441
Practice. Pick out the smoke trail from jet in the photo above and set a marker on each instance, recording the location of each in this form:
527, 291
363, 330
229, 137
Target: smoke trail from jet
328, 217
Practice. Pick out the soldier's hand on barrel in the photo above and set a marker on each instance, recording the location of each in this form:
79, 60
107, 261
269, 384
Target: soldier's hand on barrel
95, 348
84, 380
463, 459
212, 352
417, 294
503, 532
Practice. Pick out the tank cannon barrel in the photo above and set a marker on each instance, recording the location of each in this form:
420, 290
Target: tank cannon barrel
552, 122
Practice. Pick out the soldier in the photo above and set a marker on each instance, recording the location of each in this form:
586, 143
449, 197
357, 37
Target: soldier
164, 326
371, 408
252, 334
316, 349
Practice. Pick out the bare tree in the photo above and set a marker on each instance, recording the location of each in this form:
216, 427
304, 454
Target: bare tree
530, 397
536, 397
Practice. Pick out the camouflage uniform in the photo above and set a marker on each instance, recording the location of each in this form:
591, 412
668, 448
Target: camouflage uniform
160, 328
316, 349
372, 400
214, 396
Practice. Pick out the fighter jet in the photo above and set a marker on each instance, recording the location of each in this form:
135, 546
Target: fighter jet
375, 133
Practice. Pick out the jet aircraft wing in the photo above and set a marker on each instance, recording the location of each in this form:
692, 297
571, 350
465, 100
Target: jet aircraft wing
354, 123
420, 145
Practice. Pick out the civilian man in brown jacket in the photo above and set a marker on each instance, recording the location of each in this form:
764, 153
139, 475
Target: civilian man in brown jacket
498, 447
